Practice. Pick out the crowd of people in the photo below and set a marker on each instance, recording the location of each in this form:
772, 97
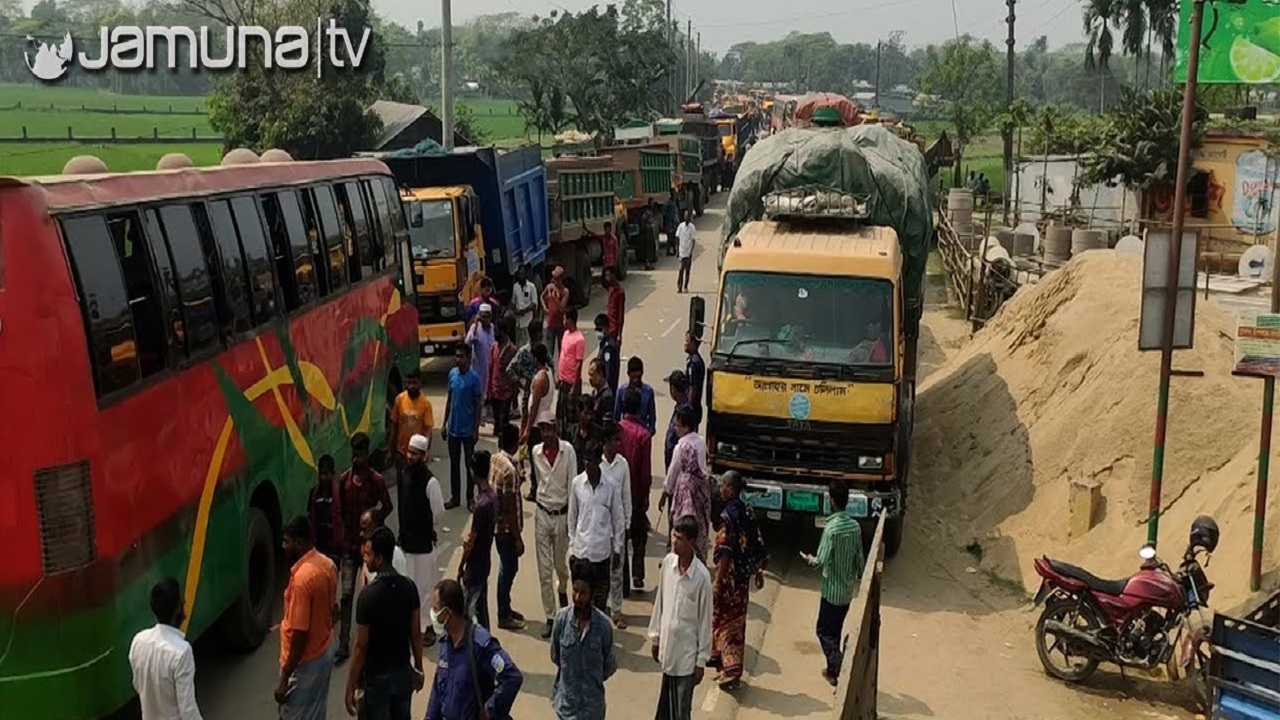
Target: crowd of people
586, 455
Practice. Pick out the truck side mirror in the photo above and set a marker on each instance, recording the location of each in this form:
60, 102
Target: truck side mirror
697, 315
415, 215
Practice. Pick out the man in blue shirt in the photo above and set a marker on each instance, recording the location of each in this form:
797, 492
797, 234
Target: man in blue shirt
695, 367
648, 411
678, 385
582, 651
462, 423
454, 692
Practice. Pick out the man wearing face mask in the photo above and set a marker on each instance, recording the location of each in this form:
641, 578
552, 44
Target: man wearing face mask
388, 631
475, 678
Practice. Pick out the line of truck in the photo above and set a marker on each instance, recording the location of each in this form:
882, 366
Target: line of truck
480, 212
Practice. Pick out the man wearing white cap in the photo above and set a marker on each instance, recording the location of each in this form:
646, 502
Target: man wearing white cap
421, 518
481, 339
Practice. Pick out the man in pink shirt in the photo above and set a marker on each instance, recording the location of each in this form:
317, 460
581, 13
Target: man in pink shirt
573, 349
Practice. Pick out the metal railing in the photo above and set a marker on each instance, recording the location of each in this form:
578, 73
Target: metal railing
860, 673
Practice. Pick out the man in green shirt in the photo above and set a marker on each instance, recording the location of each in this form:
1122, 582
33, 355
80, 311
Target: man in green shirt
841, 559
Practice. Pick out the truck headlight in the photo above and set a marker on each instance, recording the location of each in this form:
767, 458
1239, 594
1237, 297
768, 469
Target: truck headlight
870, 462
726, 448
448, 311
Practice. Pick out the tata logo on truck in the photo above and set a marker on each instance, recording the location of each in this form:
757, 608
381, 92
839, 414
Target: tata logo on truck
130, 47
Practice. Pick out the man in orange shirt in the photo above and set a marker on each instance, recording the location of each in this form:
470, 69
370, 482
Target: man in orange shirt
411, 414
306, 632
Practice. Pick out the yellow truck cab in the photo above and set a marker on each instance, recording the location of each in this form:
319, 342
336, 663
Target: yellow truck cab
811, 378
447, 243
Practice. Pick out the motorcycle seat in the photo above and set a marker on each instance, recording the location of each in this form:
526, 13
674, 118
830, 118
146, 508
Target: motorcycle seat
1093, 582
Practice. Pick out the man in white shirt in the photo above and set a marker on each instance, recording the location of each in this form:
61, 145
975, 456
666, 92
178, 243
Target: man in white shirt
596, 526
556, 464
164, 670
680, 627
524, 296
617, 472
686, 236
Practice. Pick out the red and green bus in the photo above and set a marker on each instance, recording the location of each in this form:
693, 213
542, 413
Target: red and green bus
177, 350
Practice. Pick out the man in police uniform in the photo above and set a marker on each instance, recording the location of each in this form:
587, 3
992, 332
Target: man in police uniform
458, 692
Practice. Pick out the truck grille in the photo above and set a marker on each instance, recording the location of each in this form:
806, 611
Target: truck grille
815, 445
433, 308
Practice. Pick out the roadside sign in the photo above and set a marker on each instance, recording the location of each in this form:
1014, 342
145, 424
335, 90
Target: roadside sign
1240, 45
1258, 345
1155, 282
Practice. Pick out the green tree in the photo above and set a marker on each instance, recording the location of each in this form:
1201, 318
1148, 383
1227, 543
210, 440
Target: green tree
1138, 144
966, 76
311, 118
1100, 23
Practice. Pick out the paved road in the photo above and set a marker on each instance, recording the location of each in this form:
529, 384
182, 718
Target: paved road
955, 645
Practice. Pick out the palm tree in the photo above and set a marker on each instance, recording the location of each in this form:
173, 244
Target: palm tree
1099, 19
1163, 21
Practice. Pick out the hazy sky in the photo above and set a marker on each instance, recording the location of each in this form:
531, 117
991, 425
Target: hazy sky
725, 22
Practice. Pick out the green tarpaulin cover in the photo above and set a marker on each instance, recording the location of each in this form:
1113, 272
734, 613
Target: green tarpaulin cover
864, 160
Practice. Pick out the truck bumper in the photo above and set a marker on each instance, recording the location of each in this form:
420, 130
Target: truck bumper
440, 338
776, 498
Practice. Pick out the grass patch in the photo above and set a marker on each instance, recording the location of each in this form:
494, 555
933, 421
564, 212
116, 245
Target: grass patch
48, 158
38, 95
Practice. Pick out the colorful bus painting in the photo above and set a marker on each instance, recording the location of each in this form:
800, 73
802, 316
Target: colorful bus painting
177, 350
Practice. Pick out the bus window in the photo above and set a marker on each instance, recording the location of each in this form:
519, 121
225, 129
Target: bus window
172, 325
395, 217
311, 225
148, 311
347, 219
386, 241
195, 283
332, 236
364, 229
253, 239
289, 244
221, 230
105, 303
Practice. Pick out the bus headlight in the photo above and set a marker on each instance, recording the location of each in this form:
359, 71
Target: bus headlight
870, 462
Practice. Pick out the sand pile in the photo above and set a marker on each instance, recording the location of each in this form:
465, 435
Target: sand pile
1055, 390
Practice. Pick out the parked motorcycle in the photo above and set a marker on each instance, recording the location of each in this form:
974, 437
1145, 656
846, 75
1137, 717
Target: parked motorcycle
1143, 621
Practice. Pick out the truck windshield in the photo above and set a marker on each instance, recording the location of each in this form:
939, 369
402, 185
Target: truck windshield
435, 237
726, 130
828, 320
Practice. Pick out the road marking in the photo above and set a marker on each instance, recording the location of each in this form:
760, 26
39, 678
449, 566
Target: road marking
672, 327
709, 703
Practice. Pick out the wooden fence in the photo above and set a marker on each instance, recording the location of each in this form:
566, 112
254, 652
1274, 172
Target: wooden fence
113, 110
860, 673
114, 138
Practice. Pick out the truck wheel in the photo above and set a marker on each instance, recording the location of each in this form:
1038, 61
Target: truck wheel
247, 621
699, 203
581, 295
893, 535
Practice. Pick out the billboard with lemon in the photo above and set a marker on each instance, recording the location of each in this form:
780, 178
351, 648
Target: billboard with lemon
1240, 44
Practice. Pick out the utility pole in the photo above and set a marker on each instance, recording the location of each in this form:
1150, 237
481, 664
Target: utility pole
877, 73
1174, 270
446, 74
671, 43
697, 64
688, 59
1007, 131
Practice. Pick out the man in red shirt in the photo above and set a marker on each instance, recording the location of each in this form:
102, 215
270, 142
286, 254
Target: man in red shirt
617, 303
636, 444
609, 245
362, 490
555, 296
573, 351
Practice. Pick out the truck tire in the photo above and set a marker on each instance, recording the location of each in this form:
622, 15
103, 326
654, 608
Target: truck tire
247, 621
893, 535
699, 202
580, 283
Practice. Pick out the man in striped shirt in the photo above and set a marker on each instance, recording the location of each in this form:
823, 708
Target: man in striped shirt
841, 559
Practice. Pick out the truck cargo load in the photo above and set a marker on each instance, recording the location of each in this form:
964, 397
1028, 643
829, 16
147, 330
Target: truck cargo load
866, 161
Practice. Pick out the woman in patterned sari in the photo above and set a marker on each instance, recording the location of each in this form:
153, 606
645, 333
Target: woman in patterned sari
687, 489
740, 559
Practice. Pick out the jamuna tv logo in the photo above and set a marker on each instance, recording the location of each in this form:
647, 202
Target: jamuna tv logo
129, 47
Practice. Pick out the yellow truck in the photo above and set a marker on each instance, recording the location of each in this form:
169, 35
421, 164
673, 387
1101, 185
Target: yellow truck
813, 337
447, 243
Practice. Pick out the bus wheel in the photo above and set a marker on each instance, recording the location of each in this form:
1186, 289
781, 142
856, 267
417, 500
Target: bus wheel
250, 617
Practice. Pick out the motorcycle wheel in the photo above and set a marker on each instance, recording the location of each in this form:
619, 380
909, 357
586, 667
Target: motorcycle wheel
1074, 668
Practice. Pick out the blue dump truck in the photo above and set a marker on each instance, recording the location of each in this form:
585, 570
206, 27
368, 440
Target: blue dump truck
474, 212
1244, 668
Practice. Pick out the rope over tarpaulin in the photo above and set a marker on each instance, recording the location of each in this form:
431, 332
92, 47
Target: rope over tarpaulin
865, 160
